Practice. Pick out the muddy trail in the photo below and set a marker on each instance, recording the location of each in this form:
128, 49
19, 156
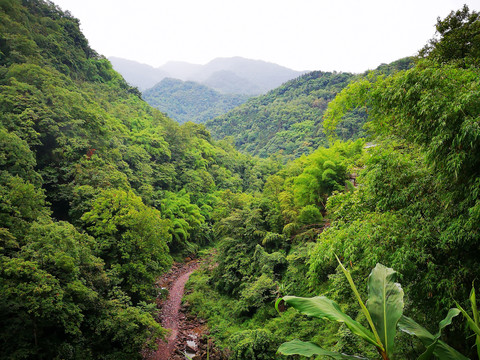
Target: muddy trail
188, 337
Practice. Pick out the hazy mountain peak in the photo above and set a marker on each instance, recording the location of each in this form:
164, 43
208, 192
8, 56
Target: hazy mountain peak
226, 74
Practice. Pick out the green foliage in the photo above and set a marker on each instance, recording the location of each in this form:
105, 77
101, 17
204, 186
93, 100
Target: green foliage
254, 295
77, 144
287, 119
53, 300
417, 198
325, 172
432, 342
132, 240
185, 218
324, 308
297, 347
457, 39
383, 311
98, 191
473, 323
309, 214
190, 101
385, 304
21, 203
253, 344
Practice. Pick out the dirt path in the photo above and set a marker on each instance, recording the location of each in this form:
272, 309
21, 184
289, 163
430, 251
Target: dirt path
171, 317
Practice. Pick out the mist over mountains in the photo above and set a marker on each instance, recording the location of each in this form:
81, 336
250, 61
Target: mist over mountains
235, 75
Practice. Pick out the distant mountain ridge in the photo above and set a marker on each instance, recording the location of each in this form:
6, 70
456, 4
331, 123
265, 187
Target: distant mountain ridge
234, 75
289, 119
190, 101
140, 75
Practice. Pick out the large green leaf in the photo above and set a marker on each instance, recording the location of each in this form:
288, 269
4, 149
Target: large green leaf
324, 308
441, 349
476, 318
473, 323
444, 323
297, 347
470, 321
429, 352
362, 305
385, 304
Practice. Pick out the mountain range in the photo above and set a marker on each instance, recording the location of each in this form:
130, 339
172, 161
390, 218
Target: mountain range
289, 119
233, 75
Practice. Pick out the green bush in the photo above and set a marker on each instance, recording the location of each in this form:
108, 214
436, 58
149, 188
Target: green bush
253, 344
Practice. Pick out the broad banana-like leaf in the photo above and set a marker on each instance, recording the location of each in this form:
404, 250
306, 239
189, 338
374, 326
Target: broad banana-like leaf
362, 305
470, 321
444, 323
473, 301
385, 304
473, 324
427, 355
476, 318
440, 349
324, 308
297, 347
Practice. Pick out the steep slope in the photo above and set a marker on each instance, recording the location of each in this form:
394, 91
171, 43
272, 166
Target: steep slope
287, 119
190, 101
413, 205
98, 191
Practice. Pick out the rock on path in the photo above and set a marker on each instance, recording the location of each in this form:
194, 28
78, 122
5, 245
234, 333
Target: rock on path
170, 316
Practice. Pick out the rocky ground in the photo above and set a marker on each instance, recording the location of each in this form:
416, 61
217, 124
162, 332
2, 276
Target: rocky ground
189, 337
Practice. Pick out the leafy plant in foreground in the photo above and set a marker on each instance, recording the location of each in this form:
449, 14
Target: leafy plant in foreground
383, 311
474, 323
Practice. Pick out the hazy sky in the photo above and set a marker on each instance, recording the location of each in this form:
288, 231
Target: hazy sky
343, 35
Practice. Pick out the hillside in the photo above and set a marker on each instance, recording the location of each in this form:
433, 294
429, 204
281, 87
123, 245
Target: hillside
291, 273
190, 101
234, 75
289, 119
98, 193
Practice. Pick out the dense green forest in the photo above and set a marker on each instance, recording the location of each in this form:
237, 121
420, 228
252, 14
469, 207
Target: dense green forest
100, 193
286, 119
185, 101
408, 199
289, 120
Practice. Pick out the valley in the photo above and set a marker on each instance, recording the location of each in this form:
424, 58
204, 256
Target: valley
251, 217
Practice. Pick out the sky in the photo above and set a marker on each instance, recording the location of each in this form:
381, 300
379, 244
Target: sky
327, 35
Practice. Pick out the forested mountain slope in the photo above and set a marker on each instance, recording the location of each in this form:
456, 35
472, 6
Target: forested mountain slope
289, 119
98, 192
190, 101
410, 201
